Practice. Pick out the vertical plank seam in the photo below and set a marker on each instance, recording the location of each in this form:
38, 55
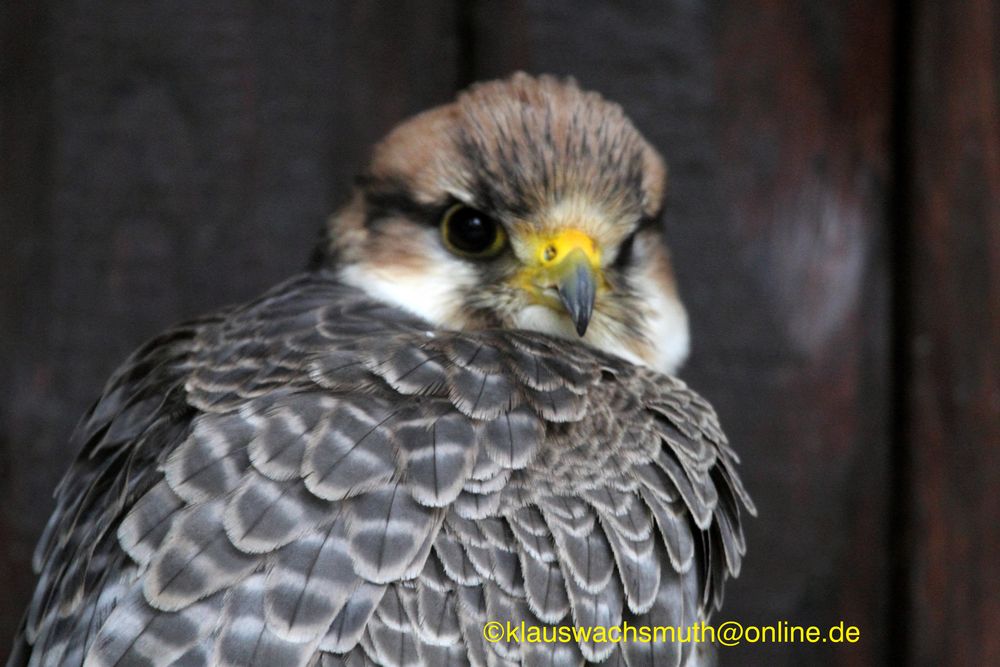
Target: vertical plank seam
465, 26
900, 538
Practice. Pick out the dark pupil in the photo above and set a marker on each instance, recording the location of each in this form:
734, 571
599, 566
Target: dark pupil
471, 231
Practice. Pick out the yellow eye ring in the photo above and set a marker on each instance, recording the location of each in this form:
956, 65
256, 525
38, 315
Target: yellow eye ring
471, 233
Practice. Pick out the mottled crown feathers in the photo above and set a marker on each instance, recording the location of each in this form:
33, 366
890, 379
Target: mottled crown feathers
518, 143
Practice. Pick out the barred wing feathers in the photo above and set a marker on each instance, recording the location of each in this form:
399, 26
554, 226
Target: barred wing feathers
318, 479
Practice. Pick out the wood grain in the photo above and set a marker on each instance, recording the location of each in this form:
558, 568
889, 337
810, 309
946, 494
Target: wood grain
954, 343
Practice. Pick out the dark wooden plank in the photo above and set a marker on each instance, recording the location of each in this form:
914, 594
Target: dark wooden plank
24, 225
953, 410
774, 119
162, 159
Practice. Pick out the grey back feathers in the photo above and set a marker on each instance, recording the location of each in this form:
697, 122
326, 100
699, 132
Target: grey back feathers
318, 479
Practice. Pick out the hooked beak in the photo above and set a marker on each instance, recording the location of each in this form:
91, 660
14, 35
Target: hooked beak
577, 288
568, 262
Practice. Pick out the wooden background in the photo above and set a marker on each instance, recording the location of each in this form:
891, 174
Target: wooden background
834, 213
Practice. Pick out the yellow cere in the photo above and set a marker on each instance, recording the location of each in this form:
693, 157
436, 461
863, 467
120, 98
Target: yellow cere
551, 249
554, 255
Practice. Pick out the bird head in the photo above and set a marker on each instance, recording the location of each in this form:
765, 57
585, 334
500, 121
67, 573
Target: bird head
526, 203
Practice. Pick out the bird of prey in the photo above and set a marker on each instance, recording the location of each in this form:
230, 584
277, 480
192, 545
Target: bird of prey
461, 413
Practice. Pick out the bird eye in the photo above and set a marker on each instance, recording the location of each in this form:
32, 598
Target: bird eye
471, 233
626, 250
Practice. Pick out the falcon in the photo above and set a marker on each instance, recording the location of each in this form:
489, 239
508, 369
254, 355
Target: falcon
461, 414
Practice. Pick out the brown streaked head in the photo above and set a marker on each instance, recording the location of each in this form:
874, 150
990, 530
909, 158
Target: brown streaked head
526, 203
